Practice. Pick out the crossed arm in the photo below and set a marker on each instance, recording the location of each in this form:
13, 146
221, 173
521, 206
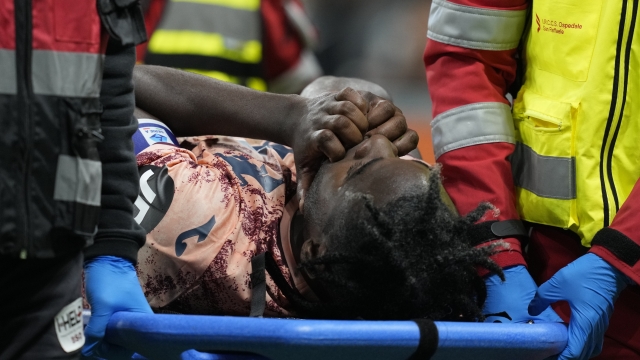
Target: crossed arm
316, 128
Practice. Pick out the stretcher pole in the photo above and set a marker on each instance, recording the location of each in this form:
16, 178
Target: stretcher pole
228, 338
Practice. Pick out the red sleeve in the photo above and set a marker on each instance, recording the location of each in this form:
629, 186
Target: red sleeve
152, 17
462, 80
482, 173
619, 244
464, 76
282, 45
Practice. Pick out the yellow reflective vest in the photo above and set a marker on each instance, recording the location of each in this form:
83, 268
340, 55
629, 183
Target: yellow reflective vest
218, 38
577, 114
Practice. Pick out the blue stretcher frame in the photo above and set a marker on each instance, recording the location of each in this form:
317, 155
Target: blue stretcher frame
160, 336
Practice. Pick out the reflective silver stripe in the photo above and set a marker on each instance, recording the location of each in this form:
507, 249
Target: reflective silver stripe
475, 28
236, 24
78, 180
8, 75
69, 74
472, 124
545, 176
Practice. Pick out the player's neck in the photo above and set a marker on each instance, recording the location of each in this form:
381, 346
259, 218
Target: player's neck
296, 235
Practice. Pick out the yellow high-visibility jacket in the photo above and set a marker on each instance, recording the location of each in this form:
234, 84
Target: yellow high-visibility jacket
577, 116
218, 38
567, 153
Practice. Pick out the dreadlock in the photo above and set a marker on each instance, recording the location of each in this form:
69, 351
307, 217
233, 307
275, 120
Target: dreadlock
410, 258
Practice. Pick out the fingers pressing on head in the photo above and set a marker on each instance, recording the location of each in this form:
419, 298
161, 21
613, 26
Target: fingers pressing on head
348, 94
304, 180
381, 111
347, 122
323, 143
392, 124
392, 128
407, 142
326, 142
338, 124
387, 119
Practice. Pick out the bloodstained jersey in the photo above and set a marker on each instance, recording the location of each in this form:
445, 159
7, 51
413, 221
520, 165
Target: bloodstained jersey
208, 208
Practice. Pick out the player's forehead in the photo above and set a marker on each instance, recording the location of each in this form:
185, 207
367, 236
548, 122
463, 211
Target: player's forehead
390, 178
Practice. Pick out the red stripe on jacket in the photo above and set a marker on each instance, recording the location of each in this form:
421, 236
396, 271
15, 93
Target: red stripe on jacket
7, 26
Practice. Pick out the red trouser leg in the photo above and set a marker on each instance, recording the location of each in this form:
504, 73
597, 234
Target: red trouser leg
549, 250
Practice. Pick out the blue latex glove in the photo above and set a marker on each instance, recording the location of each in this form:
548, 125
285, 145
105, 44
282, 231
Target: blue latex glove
111, 285
510, 299
591, 286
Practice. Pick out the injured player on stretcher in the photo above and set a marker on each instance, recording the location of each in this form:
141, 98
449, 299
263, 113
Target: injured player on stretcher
379, 238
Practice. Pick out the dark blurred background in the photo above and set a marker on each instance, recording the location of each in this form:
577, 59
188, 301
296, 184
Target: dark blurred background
380, 41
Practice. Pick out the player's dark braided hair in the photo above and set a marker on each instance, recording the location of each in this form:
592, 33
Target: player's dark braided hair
409, 259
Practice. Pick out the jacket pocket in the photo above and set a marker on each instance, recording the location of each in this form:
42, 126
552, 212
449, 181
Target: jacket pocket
544, 124
80, 25
543, 164
78, 180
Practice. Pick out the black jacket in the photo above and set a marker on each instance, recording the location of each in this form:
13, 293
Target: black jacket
53, 199
118, 234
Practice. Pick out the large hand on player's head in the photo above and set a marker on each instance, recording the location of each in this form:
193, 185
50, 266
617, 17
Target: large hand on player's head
337, 121
386, 119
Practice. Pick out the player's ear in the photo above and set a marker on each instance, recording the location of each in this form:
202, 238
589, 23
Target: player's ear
312, 250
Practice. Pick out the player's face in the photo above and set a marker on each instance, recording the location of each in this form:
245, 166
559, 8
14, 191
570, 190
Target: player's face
371, 168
